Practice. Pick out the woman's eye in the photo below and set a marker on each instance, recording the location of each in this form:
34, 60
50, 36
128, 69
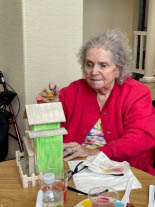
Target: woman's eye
89, 64
103, 65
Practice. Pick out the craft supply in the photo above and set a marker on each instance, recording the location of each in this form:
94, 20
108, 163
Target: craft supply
39, 202
86, 203
62, 183
52, 196
39, 100
82, 179
102, 196
119, 204
54, 89
77, 191
125, 200
49, 150
51, 94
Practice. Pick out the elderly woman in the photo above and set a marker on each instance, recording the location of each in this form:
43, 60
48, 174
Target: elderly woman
107, 110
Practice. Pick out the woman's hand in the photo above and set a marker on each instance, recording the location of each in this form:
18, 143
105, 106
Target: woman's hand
73, 150
50, 94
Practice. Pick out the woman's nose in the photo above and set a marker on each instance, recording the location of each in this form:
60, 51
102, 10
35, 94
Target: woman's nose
95, 69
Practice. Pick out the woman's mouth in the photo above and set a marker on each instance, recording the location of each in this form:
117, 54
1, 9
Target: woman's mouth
96, 79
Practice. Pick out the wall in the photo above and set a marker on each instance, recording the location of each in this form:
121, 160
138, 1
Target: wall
39, 41
100, 15
52, 37
11, 50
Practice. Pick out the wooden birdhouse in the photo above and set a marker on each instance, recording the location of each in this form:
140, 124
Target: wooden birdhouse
47, 138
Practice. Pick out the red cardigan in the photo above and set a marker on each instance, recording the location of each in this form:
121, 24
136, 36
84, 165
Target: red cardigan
128, 120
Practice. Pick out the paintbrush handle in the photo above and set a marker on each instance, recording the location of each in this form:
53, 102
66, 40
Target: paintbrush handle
77, 191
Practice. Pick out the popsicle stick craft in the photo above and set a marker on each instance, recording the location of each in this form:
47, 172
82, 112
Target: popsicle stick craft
44, 139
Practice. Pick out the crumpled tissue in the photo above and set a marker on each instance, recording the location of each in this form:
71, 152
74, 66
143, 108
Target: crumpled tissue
102, 164
100, 173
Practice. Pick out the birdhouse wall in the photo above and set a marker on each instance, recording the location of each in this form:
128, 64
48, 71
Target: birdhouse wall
49, 154
49, 150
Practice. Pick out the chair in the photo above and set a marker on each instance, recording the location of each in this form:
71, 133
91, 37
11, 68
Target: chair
13, 121
6, 97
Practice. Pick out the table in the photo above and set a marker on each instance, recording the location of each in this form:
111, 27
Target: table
12, 194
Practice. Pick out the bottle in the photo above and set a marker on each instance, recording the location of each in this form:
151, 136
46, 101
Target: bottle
52, 195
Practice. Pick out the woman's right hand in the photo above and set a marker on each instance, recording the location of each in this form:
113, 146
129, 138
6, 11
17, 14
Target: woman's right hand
50, 94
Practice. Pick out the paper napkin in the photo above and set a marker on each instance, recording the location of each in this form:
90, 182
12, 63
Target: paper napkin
102, 164
89, 177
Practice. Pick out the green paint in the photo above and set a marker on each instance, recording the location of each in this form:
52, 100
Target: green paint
50, 154
49, 150
41, 127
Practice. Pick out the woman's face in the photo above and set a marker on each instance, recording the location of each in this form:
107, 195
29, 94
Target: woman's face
100, 70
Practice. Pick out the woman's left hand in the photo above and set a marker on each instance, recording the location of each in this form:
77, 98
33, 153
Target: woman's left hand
73, 150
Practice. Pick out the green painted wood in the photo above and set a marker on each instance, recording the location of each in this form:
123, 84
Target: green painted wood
49, 151
45, 126
50, 154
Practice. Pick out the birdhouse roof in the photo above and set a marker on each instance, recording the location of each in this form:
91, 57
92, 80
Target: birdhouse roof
45, 113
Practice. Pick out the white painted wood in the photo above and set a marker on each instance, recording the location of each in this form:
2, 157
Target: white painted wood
142, 36
140, 33
141, 52
135, 51
45, 113
27, 181
150, 45
46, 133
31, 165
138, 71
31, 155
28, 146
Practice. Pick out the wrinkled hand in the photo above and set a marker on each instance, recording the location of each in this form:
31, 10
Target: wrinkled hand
73, 150
45, 93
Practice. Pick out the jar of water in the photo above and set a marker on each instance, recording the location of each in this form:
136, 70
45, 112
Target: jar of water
52, 196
